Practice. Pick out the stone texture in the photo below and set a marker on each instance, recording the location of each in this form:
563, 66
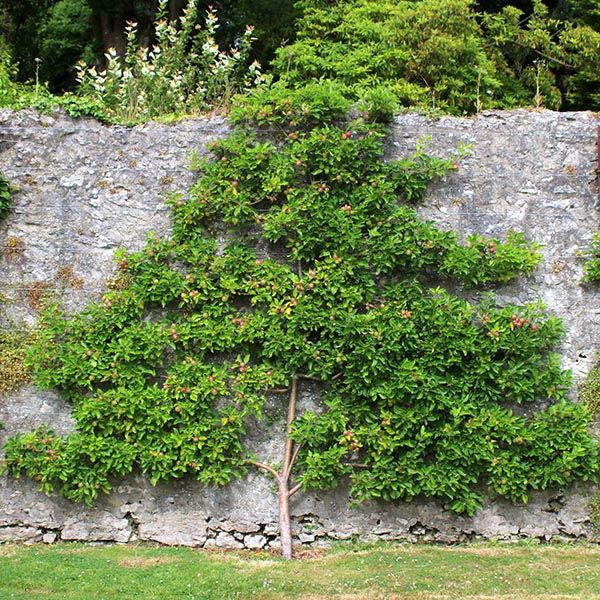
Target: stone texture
239, 526
177, 528
226, 540
20, 534
29, 408
96, 526
86, 189
255, 542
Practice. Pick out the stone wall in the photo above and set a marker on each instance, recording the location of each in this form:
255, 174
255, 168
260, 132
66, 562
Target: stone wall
86, 189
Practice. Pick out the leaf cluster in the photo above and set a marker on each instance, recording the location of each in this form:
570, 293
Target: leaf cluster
279, 105
425, 406
328, 191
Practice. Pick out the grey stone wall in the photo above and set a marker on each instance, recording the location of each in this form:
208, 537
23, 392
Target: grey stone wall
86, 189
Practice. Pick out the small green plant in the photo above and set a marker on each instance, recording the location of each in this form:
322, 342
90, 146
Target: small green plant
84, 106
5, 196
17, 96
183, 72
589, 392
592, 256
13, 370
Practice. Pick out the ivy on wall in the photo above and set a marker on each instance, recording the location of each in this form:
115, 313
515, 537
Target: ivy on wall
297, 256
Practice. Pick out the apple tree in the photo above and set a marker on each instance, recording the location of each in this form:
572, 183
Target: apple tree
297, 256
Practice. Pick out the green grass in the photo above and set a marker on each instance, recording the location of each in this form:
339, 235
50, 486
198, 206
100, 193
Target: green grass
486, 571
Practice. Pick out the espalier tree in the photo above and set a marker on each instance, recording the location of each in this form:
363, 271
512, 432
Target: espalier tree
299, 257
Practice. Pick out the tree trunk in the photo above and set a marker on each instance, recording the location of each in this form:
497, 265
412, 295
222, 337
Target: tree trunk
290, 453
108, 30
176, 8
285, 525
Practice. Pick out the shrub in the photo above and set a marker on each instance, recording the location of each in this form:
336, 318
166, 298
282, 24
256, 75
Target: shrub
185, 71
429, 53
65, 38
555, 61
441, 54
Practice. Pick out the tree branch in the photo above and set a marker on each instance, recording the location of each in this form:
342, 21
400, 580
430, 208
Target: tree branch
294, 489
543, 55
309, 377
295, 456
292, 461
266, 467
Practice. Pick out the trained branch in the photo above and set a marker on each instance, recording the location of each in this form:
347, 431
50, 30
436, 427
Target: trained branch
294, 489
309, 377
313, 378
266, 467
292, 461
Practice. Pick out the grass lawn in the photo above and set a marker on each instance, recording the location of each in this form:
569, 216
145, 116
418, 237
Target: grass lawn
347, 572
